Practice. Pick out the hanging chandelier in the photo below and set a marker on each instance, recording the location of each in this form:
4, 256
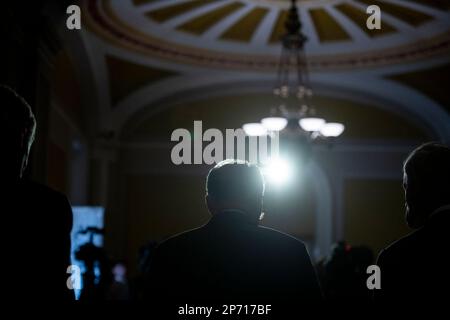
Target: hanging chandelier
293, 81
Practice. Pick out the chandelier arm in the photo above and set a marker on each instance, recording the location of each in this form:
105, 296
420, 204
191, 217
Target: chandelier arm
280, 68
306, 70
300, 74
287, 69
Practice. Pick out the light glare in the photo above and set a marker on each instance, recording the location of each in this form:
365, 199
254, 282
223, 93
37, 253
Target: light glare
278, 171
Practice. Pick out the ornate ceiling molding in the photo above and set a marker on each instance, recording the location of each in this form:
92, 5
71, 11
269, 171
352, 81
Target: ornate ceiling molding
104, 21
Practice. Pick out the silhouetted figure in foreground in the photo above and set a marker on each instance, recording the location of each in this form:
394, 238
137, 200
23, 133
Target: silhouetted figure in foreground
231, 258
36, 221
415, 267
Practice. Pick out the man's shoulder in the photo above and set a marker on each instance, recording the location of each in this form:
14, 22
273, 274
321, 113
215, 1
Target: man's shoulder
44, 199
401, 247
278, 236
266, 234
42, 190
178, 239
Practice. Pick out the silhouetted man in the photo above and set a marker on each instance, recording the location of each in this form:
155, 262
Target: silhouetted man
36, 221
415, 267
231, 258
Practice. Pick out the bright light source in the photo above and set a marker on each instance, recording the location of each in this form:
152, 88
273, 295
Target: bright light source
311, 123
277, 171
274, 123
254, 129
332, 129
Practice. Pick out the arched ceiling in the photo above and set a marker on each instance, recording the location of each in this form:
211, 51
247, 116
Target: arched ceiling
155, 52
245, 33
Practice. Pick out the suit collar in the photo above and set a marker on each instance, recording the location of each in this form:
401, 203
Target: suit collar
230, 216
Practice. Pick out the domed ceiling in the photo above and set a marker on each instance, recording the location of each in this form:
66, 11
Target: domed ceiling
245, 33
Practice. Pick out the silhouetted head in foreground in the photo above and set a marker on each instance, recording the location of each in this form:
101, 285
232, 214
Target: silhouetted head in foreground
235, 185
426, 181
17, 129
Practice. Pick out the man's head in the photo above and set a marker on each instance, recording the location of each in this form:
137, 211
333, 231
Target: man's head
235, 185
17, 128
426, 180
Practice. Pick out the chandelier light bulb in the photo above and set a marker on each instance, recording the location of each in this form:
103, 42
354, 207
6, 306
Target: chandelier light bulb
254, 129
274, 123
332, 129
311, 124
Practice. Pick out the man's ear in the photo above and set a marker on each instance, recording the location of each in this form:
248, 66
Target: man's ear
208, 203
24, 163
25, 151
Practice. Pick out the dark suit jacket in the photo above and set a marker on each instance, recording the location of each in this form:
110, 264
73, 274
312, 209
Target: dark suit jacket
232, 258
416, 266
36, 239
